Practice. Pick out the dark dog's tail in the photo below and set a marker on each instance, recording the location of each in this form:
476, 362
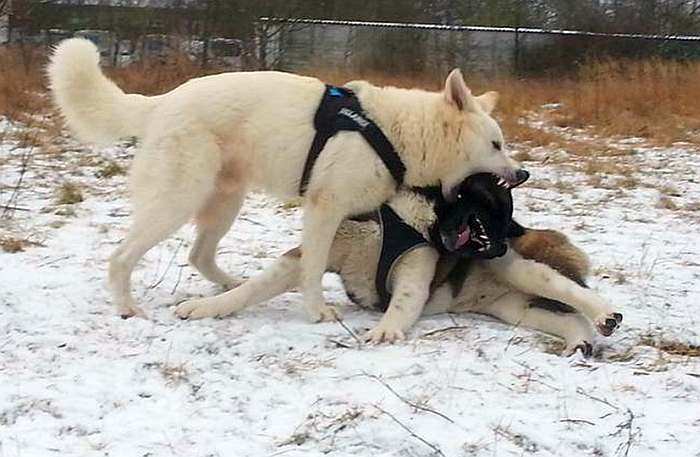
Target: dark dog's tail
554, 249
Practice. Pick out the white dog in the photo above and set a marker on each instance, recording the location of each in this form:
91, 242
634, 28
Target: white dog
206, 143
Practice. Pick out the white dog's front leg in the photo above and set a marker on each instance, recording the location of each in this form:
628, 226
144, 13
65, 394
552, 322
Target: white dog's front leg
541, 280
321, 220
411, 288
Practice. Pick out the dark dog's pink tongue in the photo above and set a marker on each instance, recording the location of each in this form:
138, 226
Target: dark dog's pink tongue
463, 237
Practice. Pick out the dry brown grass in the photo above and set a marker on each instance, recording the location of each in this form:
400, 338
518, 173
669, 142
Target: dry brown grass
654, 99
68, 194
109, 169
21, 81
11, 244
665, 202
671, 347
157, 77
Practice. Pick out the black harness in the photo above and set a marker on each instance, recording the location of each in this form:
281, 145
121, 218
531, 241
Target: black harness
398, 239
341, 110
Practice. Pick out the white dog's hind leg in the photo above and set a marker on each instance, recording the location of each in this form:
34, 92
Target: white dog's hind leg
163, 199
213, 222
322, 216
573, 328
276, 279
143, 235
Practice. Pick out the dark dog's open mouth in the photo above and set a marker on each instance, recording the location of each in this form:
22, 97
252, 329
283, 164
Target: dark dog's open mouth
471, 231
478, 234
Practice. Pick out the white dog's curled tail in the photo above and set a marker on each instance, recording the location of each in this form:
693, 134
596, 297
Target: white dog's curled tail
94, 107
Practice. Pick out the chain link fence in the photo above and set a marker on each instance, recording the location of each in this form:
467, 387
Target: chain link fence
297, 44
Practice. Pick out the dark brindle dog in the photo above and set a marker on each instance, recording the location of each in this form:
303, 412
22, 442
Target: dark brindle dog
421, 255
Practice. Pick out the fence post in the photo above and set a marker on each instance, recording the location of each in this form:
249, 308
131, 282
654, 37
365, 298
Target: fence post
516, 53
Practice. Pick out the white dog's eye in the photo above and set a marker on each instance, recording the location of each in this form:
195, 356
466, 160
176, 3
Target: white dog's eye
497, 145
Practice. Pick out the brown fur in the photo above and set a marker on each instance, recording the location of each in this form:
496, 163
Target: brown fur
294, 253
554, 249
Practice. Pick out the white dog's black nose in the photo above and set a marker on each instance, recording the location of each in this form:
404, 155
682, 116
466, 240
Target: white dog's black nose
519, 177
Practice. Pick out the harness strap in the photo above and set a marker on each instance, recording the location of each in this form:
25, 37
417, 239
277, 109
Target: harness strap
398, 239
341, 110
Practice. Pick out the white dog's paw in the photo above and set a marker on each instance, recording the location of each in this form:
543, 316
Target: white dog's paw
127, 311
582, 346
384, 333
608, 323
324, 313
199, 309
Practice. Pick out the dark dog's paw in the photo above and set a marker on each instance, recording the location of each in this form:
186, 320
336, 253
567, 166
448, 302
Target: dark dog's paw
607, 324
584, 347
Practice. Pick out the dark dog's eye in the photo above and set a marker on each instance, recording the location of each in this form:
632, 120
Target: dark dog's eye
497, 145
459, 196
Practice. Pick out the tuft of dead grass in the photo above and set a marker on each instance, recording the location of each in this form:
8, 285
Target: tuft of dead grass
68, 194
13, 245
665, 202
692, 206
109, 169
670, 347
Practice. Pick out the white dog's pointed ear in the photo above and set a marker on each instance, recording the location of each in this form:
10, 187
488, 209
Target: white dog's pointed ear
457, 93
488, 101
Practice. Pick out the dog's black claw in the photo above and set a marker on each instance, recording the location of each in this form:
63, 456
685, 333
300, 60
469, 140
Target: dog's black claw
607, 327
617, 317
586, 349
610, 326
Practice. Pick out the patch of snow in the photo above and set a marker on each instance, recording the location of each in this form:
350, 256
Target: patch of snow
75, 380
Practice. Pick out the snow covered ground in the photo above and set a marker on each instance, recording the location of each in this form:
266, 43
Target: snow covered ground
75, 380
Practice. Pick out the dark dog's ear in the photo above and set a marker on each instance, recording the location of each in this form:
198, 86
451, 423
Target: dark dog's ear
515, 230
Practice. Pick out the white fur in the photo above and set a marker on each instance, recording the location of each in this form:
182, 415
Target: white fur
207, 142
